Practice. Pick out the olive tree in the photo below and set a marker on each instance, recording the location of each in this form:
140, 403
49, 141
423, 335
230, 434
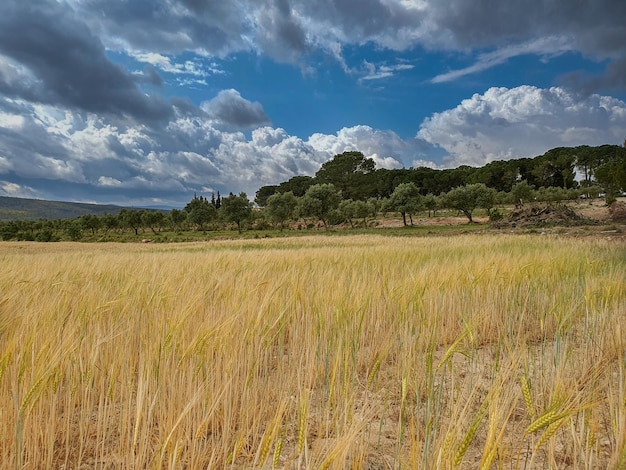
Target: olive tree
281, 207
319, 201
236, 209
467, 198
405, 199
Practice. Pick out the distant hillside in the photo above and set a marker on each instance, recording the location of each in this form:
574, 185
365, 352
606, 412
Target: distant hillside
15, 208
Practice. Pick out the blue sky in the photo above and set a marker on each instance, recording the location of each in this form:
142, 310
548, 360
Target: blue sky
145, 102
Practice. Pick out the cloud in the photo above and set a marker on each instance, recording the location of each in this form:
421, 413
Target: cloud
383, 71
231, 111
523, 122
289, 31
10, 189
59, 61
91, 157
549, 45
385, 147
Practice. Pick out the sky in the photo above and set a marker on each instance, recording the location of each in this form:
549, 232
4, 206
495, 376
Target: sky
143, 103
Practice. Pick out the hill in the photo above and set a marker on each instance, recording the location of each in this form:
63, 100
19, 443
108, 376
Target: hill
15, 208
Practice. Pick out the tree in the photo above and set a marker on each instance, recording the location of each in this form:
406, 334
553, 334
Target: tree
152, 219
320, 201
431, 203
467, 198
611, 172
130, 218
90, 222
202, 214
110, 222
236, 209
522, 192
263, 194
178, 217
405, 199
350, 210
487, 199
348, 173
281, 207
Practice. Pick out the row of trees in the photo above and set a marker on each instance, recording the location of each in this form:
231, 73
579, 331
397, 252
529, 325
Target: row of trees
199, 214
322, 202
358, 179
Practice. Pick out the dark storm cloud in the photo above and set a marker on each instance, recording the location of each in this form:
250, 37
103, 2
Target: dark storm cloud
614, 77
595, 27
217, 27
68, 64
280, 34
363, 20
149, 76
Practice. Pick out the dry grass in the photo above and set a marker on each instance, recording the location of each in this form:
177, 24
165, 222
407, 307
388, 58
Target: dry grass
344, 352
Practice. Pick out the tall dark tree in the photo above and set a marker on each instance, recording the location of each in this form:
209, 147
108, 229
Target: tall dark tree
349, 173
264, 193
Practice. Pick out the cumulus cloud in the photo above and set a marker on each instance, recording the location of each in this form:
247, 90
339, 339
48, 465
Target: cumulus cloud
383, 146
523, 122
98, 157
232, 111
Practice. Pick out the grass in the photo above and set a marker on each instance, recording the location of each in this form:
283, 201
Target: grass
314, 352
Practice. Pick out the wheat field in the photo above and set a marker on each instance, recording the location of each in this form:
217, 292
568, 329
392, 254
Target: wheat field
361, 352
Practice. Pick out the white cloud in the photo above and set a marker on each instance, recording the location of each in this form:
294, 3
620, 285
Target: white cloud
198, 67
523, 122
551, 45
11, 189
374, 72
385, 147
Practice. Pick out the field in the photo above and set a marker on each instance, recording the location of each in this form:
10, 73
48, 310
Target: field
321, 352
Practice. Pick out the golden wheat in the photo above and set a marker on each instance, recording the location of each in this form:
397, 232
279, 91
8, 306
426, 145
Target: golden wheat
335, 352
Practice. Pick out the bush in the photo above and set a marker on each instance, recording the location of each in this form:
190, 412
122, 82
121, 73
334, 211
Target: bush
495, 215
617, 211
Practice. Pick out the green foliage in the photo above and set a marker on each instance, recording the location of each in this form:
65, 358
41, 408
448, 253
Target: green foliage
281, 207
152, 219
405, 199
236, 209
131, 219
350, 173
264, 193
74, 231
350, 210
467, 198
320, 201
431, 203
178, 217
202, 214
522, 192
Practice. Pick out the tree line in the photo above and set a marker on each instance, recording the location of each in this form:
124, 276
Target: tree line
199, 214
349, 189
358, 179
